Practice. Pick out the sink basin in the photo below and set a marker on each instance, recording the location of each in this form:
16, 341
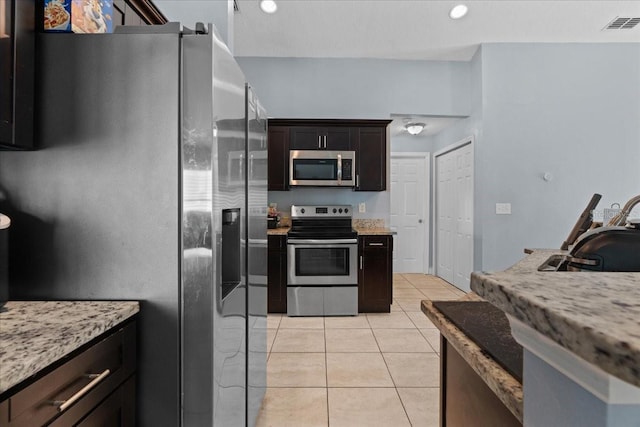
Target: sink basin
563, 263
554, 263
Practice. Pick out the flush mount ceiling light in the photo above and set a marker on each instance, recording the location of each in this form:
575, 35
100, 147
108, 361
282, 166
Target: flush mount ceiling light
268, 6
414, 128
458, 11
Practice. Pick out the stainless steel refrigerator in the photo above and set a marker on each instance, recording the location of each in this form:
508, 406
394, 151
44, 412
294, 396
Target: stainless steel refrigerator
149, 183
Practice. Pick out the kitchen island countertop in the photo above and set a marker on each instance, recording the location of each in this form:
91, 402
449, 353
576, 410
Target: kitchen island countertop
36, 334
504, 385
594, 315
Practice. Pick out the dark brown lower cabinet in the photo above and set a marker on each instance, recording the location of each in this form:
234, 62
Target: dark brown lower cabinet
375, 273
94, 386
277, 274
465, 399
116, 410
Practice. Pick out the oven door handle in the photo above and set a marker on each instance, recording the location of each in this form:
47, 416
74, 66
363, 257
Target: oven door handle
322, 241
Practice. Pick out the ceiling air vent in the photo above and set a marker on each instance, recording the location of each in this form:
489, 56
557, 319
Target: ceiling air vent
622, 23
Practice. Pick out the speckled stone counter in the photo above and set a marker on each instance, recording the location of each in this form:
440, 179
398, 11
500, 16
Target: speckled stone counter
371, 227
361, 231
505, 386
35, 334
374, 231
278, 231
596, 316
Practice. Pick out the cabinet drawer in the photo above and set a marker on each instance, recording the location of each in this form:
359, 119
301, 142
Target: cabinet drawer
83, 382
372, 242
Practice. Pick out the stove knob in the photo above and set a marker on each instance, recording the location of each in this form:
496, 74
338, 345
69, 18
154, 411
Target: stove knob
335, 210
346, 210
302, 210
340, 210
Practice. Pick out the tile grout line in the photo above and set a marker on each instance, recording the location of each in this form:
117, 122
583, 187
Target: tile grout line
400, 309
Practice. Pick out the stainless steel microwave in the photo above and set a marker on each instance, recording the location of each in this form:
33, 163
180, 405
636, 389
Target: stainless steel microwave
322, 168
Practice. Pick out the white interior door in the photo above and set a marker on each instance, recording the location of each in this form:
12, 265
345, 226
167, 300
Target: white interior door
409, 178
454, 215
444, 217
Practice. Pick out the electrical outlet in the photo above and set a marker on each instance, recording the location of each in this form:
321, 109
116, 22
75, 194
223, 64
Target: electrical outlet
362, 207
503, 208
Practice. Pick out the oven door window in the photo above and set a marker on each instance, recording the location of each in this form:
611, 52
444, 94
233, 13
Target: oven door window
315, 169
322, 262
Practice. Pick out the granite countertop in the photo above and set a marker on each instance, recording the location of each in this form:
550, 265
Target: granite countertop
35, 334
361, 231
278, 231
594, 315
377, 231
504, 385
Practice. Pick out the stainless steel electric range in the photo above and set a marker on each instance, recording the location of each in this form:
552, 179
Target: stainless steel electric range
322, 252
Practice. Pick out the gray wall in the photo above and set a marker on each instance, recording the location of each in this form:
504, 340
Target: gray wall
188, 12
94, 210
572, 110
355, 88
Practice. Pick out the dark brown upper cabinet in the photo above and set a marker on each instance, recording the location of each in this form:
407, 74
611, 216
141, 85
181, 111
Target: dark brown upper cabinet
368, 138
278, 157
17, 50
370, 146
318, 138
20, 21
136, 12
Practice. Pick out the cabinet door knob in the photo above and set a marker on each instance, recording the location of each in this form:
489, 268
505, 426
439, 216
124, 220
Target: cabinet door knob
419, 221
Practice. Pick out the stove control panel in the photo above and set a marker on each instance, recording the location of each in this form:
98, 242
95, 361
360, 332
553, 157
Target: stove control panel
328, 211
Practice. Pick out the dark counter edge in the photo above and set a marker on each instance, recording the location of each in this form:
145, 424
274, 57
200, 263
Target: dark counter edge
509, 391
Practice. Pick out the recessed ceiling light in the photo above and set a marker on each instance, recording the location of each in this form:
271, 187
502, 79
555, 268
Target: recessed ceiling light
458, 11
268, 6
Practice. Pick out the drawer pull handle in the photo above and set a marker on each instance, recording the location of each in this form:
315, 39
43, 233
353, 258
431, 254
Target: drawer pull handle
97, 378
376, 244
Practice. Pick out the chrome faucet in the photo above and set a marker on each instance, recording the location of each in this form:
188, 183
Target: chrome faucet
621, 218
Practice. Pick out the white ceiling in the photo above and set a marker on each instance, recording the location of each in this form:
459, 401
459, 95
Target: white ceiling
420, 29
409, 29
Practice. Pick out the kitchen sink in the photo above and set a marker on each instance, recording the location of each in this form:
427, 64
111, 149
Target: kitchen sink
554, 263
561, 263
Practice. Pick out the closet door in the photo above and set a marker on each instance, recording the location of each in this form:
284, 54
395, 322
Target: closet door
454, 216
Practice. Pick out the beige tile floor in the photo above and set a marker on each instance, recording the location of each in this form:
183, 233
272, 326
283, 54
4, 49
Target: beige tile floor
370, 370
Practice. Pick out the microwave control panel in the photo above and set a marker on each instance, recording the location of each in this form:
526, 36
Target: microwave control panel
347, 169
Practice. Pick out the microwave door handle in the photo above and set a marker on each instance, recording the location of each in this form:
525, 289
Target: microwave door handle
339, 169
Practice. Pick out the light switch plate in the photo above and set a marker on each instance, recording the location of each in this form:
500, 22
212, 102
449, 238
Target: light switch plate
362, 207
503, 208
